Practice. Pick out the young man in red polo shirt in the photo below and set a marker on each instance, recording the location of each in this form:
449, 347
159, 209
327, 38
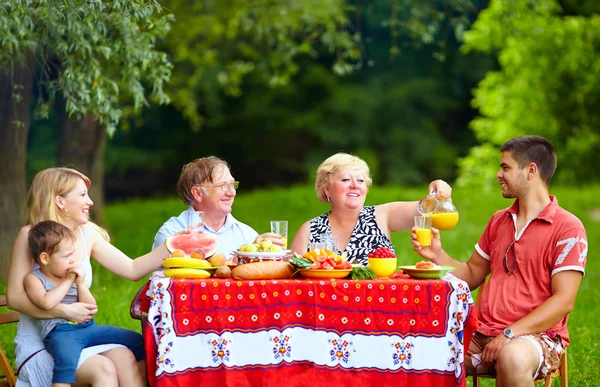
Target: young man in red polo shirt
536, 252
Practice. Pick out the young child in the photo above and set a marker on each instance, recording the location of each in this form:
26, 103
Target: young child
60, 280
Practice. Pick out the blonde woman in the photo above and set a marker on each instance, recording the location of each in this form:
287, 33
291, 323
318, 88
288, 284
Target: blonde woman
343, 180
61, 195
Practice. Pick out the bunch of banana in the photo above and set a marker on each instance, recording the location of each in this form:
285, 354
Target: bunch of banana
186, 268
186, 273
265, 246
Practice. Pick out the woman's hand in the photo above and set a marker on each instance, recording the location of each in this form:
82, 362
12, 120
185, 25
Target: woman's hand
428, 252
79, 312
442, 189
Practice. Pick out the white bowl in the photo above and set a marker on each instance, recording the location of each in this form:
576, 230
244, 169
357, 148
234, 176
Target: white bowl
244, 257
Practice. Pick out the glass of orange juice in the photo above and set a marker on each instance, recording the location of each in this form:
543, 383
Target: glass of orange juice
280, 227
423, 230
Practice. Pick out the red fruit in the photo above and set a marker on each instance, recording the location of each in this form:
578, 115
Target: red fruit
381, 252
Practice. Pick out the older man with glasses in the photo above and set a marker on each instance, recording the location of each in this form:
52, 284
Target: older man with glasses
536, 253
206, 185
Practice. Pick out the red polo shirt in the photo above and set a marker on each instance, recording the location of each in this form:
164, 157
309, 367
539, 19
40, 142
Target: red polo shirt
552, 242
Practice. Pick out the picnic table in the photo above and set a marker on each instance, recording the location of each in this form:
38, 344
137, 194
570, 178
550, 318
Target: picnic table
297, 332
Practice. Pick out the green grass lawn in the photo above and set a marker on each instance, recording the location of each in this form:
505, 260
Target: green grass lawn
133, 224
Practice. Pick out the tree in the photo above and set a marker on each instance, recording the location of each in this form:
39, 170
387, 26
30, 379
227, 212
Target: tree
89, 54
547, 84
14, 123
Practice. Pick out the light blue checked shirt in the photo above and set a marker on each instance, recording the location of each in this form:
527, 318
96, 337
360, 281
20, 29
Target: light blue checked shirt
231, 236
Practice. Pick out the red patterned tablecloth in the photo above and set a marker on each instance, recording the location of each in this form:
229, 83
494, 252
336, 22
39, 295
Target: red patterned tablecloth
288, 333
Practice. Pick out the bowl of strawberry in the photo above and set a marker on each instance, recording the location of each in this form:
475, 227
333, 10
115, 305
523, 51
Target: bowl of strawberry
383, 262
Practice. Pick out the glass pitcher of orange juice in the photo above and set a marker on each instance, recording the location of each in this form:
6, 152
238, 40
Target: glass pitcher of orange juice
445, 217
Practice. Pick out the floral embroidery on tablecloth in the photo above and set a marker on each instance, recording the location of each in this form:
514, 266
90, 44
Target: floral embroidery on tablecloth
463, 296
456, 358
340, 351
162, 358
161, 323
456, 328
220, 353
402, 353
282, 347
158, 293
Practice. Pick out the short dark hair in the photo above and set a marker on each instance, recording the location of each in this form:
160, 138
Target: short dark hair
533, 149
45, 237
197, 172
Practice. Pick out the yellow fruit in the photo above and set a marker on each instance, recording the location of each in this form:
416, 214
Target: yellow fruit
217, 260
273, 249
252, 248
186, 273
265, 244
191, 263
177, 253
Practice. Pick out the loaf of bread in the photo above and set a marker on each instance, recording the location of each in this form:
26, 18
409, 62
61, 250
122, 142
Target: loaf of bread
263, 270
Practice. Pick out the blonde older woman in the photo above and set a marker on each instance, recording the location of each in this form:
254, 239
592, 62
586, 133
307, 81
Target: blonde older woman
61, 195
343, 180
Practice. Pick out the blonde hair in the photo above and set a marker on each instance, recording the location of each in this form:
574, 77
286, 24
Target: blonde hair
45, 187
334, 164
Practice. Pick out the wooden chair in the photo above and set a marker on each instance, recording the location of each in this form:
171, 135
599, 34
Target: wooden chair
135, 309
561, 372
7, 375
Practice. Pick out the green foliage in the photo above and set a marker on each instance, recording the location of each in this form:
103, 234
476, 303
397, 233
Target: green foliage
90, 52
548, 84
217, 44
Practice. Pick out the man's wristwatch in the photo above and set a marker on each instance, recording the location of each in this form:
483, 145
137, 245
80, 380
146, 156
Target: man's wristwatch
508, 333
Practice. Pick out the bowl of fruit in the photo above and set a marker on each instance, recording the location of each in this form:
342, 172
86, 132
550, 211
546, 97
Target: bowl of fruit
321, 263
260, 252
383, 262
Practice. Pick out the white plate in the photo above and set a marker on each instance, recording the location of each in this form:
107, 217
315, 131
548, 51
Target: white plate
258, 254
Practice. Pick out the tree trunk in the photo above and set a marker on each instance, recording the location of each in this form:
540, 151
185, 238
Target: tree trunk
14, 128
81, 145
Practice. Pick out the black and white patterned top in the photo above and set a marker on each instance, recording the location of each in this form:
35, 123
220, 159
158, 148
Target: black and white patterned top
366, 237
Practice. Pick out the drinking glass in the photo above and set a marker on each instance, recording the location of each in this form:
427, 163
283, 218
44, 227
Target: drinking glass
316, 245
281, 227
195, 221
423, 230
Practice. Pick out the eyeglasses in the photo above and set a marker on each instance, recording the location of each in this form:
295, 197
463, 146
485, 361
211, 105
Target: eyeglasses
508, 266
227, 186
